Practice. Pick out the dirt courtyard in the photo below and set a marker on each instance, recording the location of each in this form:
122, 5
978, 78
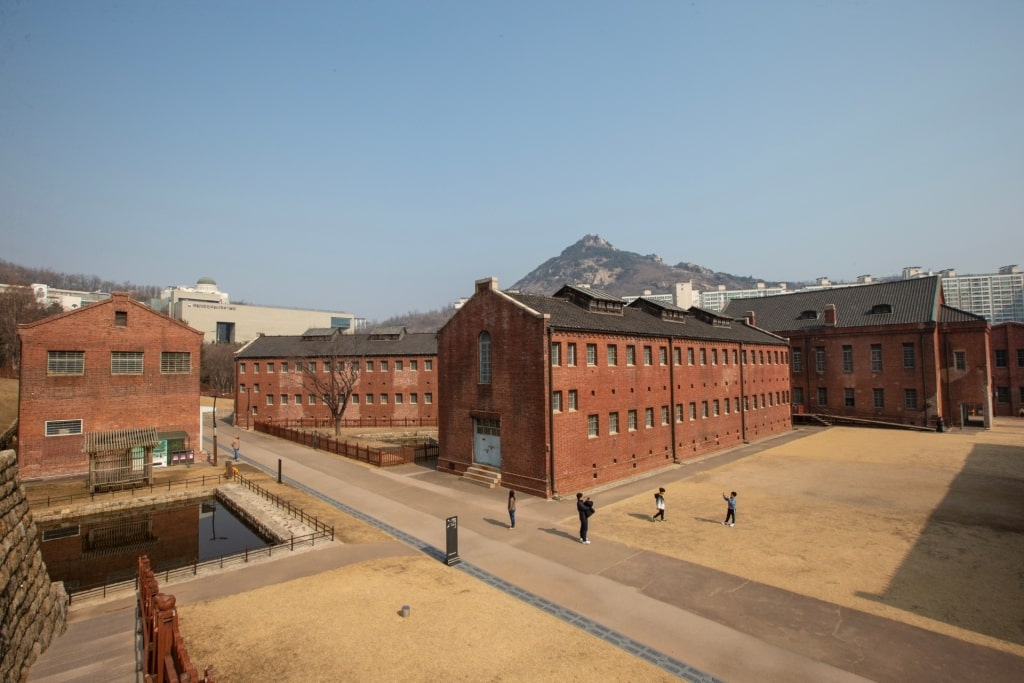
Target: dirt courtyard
923, 528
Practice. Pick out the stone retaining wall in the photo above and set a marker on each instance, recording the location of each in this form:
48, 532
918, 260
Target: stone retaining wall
33, 609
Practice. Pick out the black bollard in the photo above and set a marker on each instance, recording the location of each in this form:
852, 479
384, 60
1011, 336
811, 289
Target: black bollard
279, 470
452, 534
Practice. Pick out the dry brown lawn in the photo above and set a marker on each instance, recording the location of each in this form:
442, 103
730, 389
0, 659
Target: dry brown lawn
922, 528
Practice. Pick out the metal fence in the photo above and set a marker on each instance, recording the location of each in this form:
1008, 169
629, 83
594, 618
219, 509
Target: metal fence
133, 490
381, 457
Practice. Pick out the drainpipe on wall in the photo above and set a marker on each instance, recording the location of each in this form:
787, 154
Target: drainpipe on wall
672, 396
551, 418
743, 396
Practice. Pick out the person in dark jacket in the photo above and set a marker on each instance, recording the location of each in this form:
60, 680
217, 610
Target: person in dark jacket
585, 508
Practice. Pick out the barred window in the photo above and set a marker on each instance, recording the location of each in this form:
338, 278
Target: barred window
175, 362
63, 427
126, 362
65, 362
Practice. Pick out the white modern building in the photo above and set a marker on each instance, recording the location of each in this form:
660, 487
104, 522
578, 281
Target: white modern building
67, 299
209, 310
999, 297
716, 299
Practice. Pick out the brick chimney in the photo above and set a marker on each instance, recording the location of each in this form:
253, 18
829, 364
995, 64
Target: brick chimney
830, 315
751, 318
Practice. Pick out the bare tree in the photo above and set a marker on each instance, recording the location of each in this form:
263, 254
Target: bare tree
18, 305
217, 375
333, 378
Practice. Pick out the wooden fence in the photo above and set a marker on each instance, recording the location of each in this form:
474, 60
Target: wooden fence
164, 656
381, 457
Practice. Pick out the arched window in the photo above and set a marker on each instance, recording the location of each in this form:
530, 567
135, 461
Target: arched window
485, 358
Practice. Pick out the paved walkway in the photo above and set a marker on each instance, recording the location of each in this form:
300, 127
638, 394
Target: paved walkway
715, 625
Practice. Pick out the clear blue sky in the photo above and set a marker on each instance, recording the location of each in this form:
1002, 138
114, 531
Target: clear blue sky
378, 157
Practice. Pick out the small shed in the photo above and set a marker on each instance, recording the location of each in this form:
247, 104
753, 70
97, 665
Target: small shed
120, 457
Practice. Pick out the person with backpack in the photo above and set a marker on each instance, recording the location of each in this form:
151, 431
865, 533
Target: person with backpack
659, 504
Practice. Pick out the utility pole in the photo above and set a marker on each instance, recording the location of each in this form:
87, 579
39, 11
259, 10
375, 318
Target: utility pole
215, 429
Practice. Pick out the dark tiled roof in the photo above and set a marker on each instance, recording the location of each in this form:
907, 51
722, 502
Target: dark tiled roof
566, 315
908, 302
948, 314
348, 345
590, 292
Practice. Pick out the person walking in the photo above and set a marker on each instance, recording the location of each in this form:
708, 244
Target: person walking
659, 504
585, 508
512, 509
235, 445
730, 514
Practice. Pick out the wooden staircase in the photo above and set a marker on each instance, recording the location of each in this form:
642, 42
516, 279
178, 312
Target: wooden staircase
483, 475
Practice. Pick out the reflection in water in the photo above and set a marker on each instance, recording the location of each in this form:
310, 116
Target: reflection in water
93, 550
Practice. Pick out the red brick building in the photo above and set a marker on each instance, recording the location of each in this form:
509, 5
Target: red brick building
396, 382
579, 390
891, 351
1008, 368
113, 377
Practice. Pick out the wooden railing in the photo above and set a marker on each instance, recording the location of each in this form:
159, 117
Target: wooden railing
164, 656
381, 457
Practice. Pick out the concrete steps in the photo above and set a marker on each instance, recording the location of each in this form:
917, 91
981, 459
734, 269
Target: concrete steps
483, 475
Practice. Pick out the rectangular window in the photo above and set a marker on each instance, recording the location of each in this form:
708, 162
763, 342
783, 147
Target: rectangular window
573, 400
570, 353
383, 399
312, 399
648, 359
591, 354
663, 355
175, 362
797, 360
284, 399
714, 356
556, 401
613, 423
398, 399
1020, 358
679, 412
847, 359
715, 408
726, 404
355, 399
1002, 394
689, 356
664, 415
613, 354
876, 358
908, 356
284, 368
878, 398
428, 365
798, 396
255, 368
703, 356
241, 368
677, 356
592, 425
693, 410
556, 353
848, 398
256, 388
631, 418
327, 366
822, 396
735, 357
65, 362
398, 366
910, 398
1001, 358
383, 366
126, 362
270, 368
369, 366
649, 417
428, 398
819, 358
120, 318
736, 404
414, 365
703, 408
369, 399
414, 398
960, 360
630, 355
725, 356
241, 388
270, 399
63, 427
